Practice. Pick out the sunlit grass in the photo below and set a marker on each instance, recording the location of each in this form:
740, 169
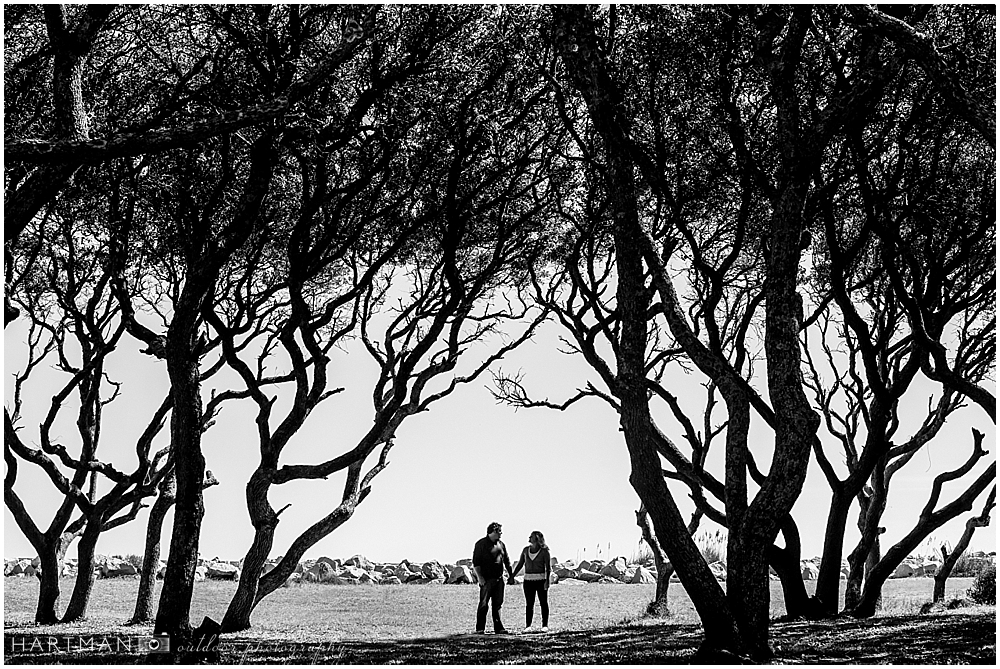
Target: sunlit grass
313, 611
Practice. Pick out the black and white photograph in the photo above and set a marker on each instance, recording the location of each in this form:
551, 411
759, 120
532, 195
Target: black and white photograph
499, 333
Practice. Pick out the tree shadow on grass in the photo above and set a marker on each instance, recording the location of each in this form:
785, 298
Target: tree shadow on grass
932, 639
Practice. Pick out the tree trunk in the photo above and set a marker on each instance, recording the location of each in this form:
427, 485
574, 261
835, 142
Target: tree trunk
708, 597
144, 611
721, 633
265, 521
664, 570
785, 562
48, 587
871, 508
77, 609
173, 614
828, 580
982, 520
749, 588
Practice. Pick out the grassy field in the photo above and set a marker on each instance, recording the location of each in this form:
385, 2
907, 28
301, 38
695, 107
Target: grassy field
311, 611
378, 622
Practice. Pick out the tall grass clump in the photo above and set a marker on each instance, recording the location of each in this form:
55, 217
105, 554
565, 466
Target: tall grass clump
643, 554
712, 545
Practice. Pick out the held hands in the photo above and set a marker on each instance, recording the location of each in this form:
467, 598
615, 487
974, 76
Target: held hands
511, 581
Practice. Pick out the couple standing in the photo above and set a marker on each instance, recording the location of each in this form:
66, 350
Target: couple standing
488, 560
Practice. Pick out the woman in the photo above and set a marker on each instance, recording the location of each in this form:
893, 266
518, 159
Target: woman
537, 571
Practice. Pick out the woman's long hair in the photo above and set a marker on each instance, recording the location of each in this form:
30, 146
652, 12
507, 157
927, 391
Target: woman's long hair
539, 537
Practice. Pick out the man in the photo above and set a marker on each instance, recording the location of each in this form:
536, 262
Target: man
488, 559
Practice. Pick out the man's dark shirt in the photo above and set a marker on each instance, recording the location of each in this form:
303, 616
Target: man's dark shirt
491, 557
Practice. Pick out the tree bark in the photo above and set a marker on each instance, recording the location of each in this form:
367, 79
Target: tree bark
173, 614
664, 570
48, 588
982, 520
721, 632
265, 522
144, 611
786, 564
84, 585
828, 580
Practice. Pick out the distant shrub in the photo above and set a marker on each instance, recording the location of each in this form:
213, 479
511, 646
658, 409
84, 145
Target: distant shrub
135, 561
984, 588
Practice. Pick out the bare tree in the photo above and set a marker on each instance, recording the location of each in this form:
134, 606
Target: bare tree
432, 261
950, 559
930, 519
66, 296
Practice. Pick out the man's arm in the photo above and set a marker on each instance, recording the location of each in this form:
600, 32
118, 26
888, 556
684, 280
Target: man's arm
477, 562
506, 561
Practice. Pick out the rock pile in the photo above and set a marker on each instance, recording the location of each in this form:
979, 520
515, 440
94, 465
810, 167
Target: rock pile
358, 570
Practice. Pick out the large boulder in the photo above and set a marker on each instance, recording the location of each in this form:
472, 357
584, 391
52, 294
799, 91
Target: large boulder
352, 573
566, 572
320, 572
414, 573
461, 574
809, 570
370, 578
904, 570
333, 563
643, 575
586, 565
433, 570
390, 580
571, 581
17, 568
402, 571
358, 561
588, 576
464, 562
615, 569
927, 568
222, 571
200, 572
608, 580
115, 567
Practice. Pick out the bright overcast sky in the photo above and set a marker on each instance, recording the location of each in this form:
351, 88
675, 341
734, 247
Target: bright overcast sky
453, 470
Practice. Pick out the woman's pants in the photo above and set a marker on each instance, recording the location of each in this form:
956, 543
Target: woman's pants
530, 588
